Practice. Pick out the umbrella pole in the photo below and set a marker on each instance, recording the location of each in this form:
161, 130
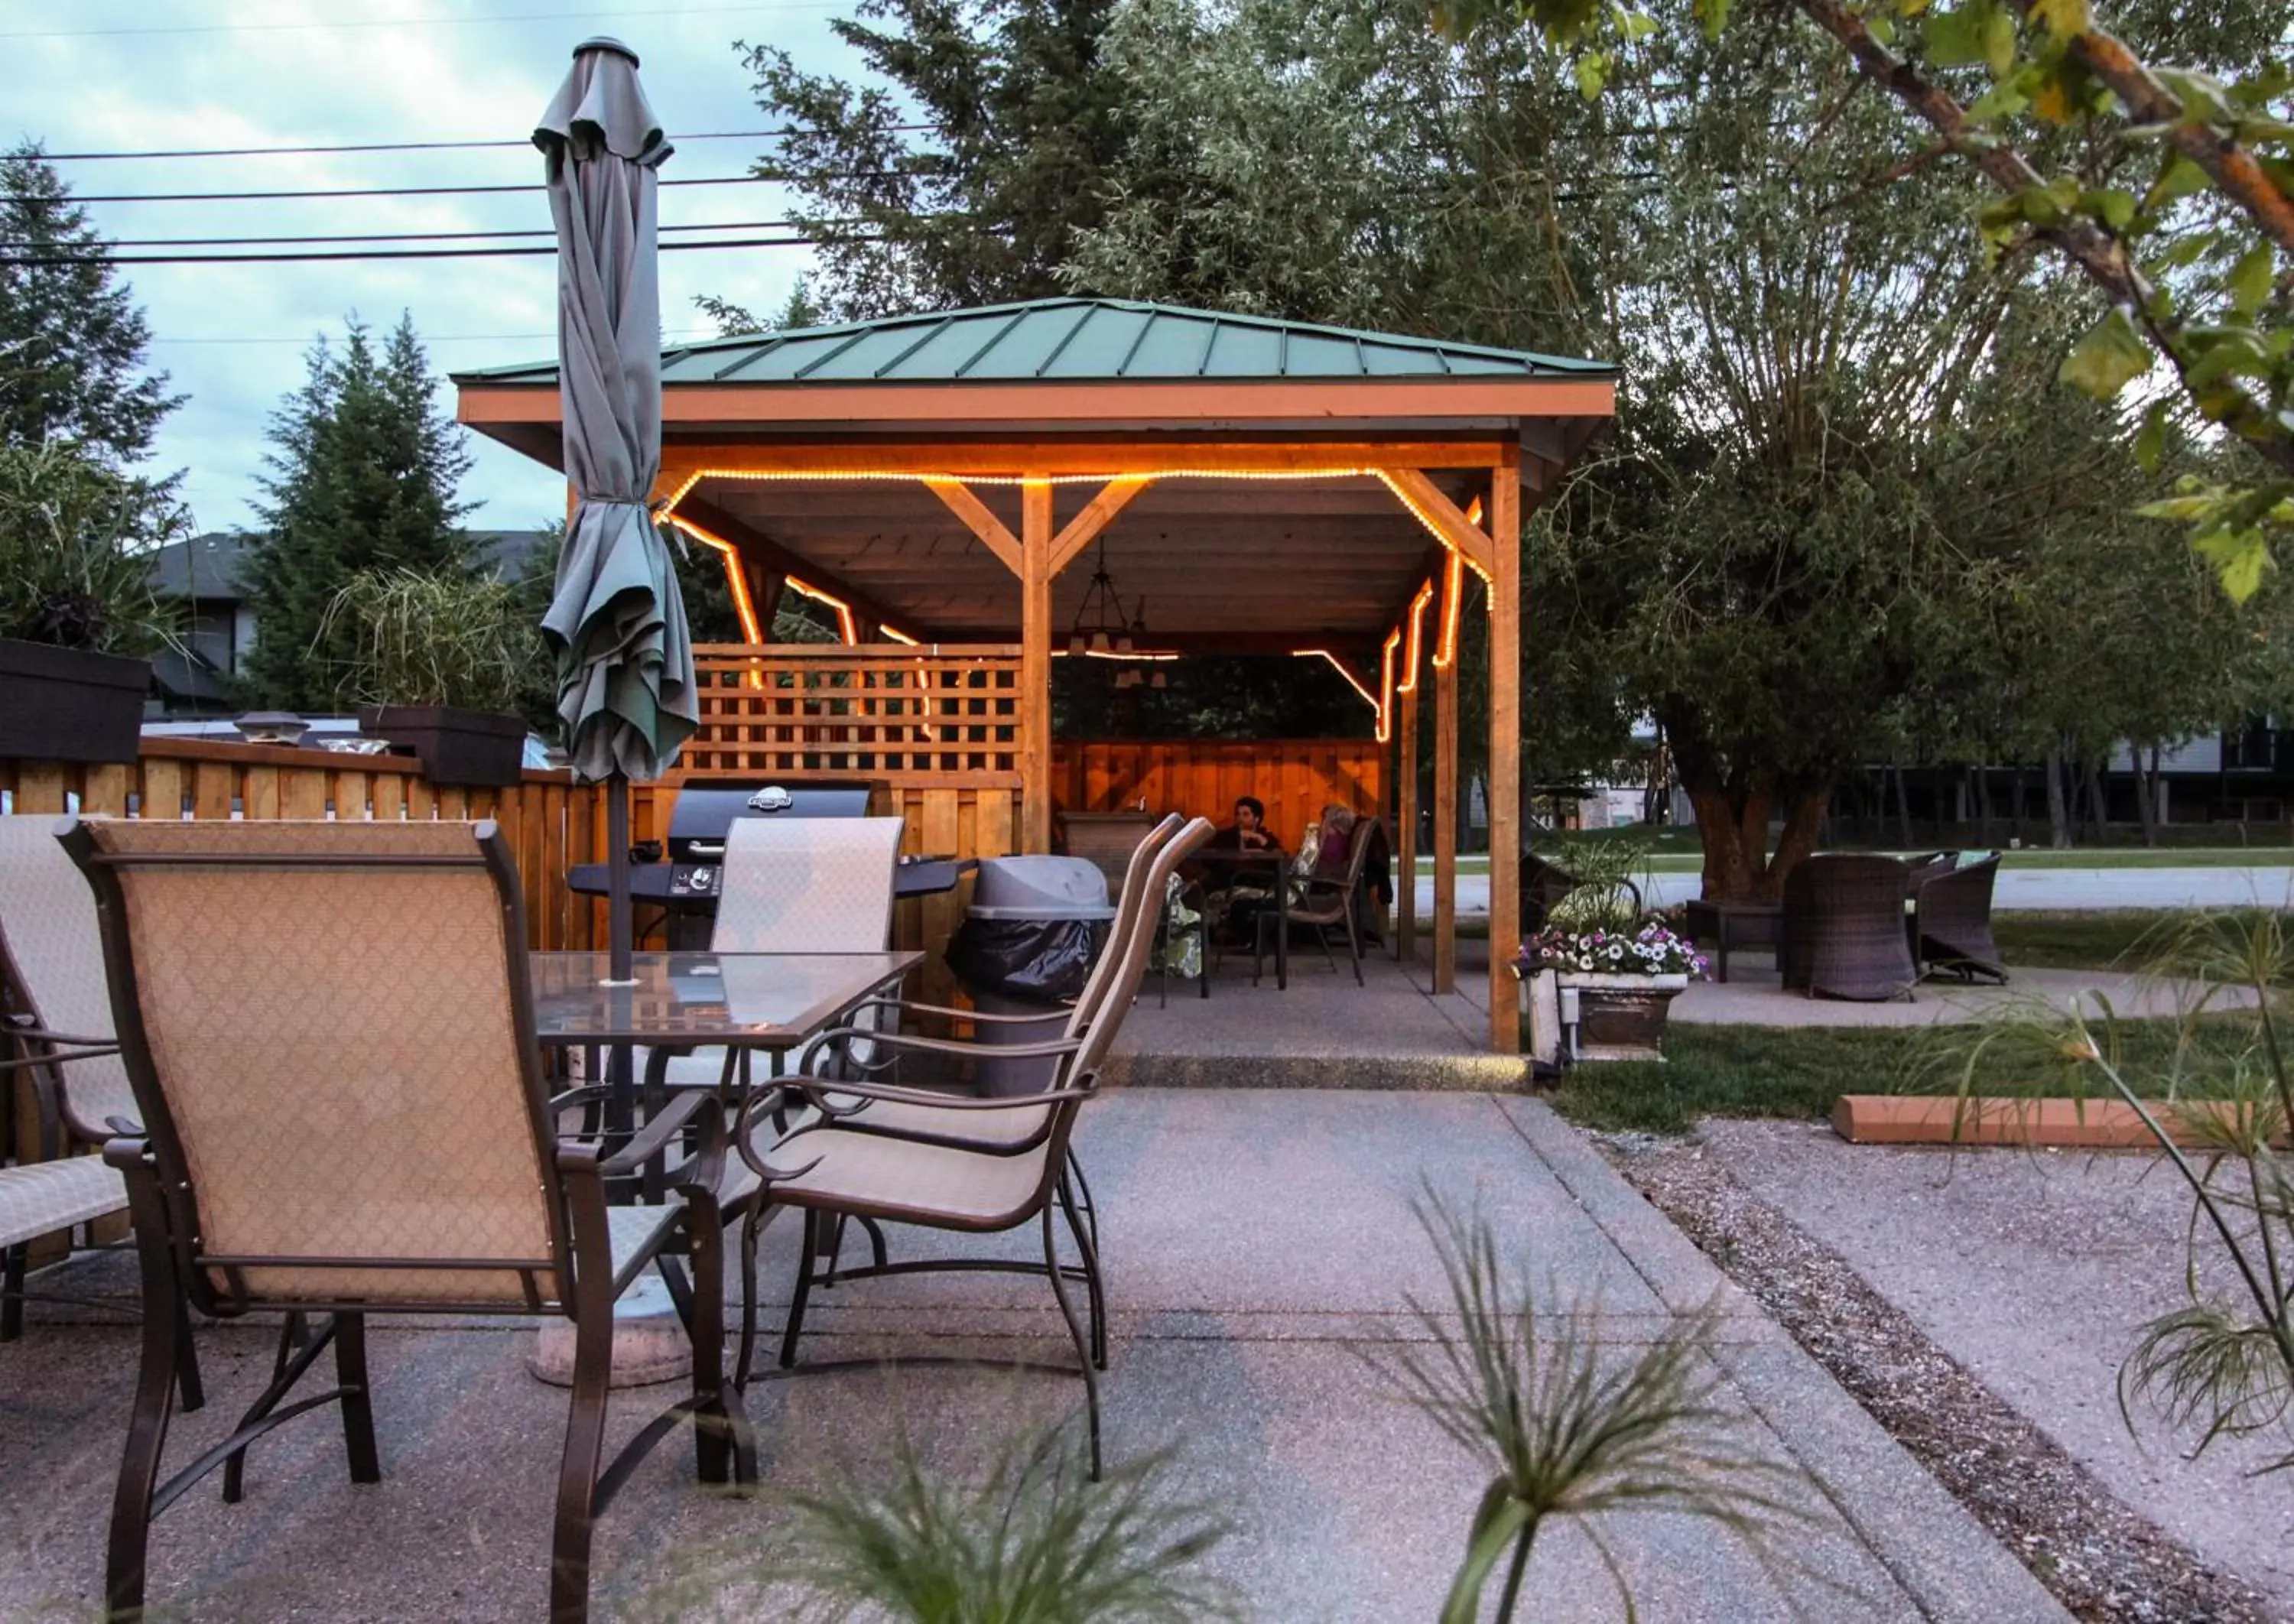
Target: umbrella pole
617, 867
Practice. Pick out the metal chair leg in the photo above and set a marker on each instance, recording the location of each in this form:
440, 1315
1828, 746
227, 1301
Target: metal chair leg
1094, 1291
294, 1345
795, 1327
878, 1250
358, 1398
751, 1226
585, 1437
1077, 1333
191, 1391
719, 1445
1085, 1199
12, 1294
155, 1391
1354, 941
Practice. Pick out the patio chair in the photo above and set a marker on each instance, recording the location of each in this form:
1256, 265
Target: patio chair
1952, 919
830, 1170
58, 1013
1543, 886
1327, 903
795, 885
1844, 934
1107, 841
328, 1030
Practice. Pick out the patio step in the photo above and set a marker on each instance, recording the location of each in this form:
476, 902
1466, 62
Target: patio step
1417, 1073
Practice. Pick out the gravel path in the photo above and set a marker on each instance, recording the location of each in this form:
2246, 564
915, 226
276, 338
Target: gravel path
2101, 1560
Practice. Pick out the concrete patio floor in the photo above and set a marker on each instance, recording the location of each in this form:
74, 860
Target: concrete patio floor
1259, 1243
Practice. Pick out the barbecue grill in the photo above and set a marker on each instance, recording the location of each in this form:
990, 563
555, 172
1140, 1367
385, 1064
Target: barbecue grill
687, 875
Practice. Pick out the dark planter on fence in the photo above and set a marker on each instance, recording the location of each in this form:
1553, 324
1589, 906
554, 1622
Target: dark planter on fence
466, 748
63, 704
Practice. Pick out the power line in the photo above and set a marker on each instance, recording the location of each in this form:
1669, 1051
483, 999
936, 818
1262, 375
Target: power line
416, 22
383, 146
684, 336
368, 254
382, 191
20, 245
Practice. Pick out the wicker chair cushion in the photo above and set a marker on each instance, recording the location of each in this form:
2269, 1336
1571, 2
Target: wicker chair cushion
47, 920
337, 1051
41, 1197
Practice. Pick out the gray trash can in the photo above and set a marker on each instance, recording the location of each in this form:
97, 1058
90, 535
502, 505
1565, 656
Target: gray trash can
1035, 927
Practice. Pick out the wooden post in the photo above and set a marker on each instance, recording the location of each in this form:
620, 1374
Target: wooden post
1446, 806
1505, 755
1405, 836
1036, 665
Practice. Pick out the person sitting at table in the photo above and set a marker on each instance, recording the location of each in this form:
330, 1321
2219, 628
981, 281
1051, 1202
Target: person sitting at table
1249, 832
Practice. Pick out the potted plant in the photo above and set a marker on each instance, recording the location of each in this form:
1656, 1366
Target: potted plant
1625, 966
440, 663
78, 616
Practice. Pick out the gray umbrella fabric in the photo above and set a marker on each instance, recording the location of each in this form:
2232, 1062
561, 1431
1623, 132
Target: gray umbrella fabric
625, 683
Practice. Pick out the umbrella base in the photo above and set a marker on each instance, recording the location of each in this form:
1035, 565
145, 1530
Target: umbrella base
649, 1343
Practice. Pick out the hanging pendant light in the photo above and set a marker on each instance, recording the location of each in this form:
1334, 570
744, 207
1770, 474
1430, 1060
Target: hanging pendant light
1101, 625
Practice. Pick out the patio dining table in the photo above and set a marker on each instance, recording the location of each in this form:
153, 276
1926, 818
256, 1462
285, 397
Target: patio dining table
1236, 860
762, 1002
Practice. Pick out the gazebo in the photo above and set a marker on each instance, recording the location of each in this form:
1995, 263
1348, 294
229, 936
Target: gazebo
1264, 486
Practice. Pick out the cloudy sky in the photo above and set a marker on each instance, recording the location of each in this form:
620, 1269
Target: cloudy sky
115, 76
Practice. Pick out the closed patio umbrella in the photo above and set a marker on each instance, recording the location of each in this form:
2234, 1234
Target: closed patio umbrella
625, 683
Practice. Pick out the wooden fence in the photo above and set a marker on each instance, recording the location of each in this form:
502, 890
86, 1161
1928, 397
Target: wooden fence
551, 821
1297, 778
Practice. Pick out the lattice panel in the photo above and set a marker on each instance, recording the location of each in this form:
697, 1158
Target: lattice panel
940, 714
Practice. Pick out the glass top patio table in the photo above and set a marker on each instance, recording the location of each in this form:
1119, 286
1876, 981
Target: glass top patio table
766, 1001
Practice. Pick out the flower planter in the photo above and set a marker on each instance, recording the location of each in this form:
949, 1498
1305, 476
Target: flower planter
461, 748
1621, 1016
63, 704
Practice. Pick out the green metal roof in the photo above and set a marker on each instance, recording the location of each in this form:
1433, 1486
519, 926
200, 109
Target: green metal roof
1074, 340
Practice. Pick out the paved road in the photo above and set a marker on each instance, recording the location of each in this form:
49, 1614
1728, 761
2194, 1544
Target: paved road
2029, 888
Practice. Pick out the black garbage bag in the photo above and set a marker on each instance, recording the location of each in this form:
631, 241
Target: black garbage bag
1047, 960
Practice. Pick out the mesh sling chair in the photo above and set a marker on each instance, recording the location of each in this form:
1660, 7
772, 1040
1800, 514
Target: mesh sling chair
1327, 902
828, 1170
58, 1015
947, 1120
329, 1029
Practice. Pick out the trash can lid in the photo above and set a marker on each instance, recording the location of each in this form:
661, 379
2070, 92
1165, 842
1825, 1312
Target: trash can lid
1040, 887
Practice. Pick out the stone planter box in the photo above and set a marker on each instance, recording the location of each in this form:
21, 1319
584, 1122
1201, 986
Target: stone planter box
61, 704
1620, 1018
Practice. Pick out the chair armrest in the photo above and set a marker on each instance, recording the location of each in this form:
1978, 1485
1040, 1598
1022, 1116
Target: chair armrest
913, 1006
583, 1155
918, 1042
57, 1057
814, 1086
25, 1027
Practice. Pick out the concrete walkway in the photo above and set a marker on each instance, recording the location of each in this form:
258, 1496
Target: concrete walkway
2036, 1273
1260, 1244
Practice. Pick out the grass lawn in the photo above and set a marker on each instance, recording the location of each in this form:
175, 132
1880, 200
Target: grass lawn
2112, 939
1798, 1072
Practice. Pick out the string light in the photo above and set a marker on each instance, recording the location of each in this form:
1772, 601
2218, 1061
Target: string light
1386, 685
843, 610
735, 577
1417, 629
1340, 666
1433, 526
1453, 592
891, 636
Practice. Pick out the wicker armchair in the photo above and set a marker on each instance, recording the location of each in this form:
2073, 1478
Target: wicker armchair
328, 1030
1954, 917
1843, 932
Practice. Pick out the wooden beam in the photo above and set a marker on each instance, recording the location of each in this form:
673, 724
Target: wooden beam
1036, 666
1082, 530
760, 549
1405, 836
1104, 458
1505, 758
978, 520
1445, 812
1440, 515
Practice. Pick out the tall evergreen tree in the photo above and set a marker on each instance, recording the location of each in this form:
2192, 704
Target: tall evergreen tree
71, 339
364, 469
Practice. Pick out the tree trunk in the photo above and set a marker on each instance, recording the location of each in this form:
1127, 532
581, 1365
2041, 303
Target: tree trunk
1983, 806
2058, 815
2022, 778
2147, 794
2095, 803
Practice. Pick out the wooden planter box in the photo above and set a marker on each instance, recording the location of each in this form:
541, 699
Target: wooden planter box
1620, 1018
2069, 1124
61, 704
468, 749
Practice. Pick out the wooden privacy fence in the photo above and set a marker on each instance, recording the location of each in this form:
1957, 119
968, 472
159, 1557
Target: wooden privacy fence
948, 714
551, 821
1203, 778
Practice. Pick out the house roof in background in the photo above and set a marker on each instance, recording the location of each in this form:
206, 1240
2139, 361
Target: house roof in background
208, 567
1075, 340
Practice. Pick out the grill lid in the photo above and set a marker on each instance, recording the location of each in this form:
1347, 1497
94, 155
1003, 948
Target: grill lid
704, 813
